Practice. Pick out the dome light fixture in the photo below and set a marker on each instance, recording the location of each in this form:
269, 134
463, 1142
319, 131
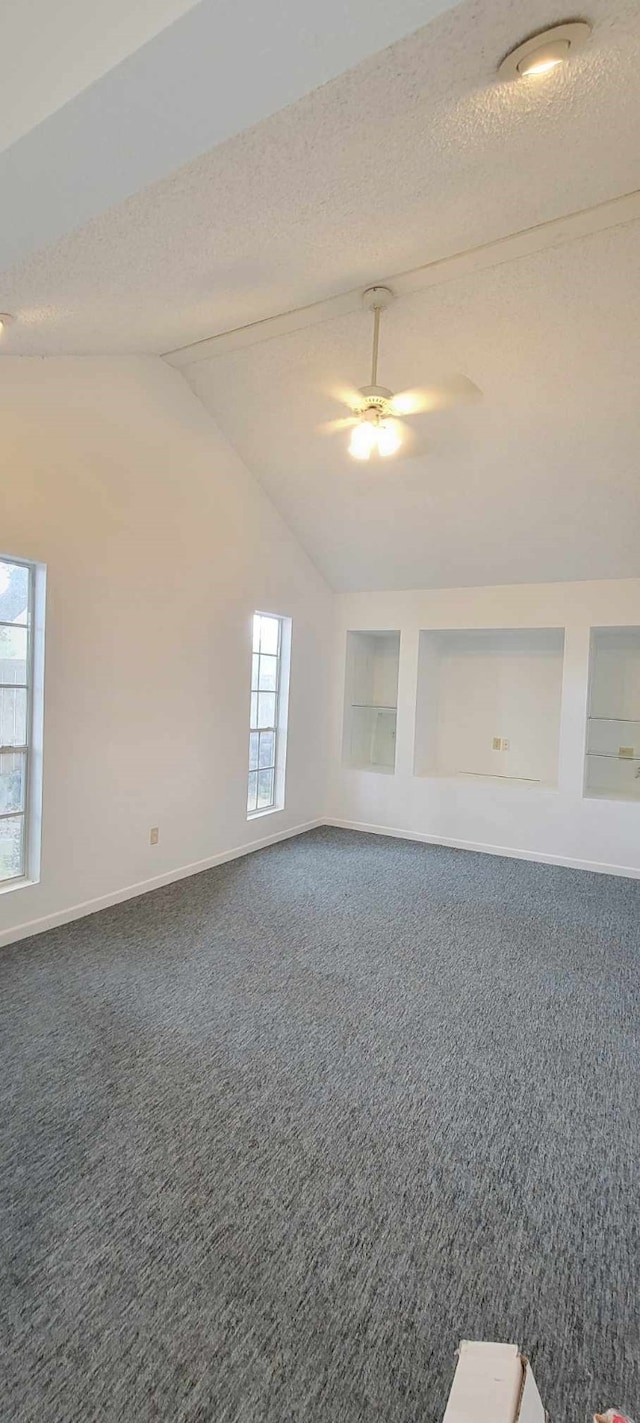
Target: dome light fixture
540, 54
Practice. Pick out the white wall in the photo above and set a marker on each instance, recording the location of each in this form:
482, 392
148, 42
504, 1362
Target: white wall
159, 545
535, 821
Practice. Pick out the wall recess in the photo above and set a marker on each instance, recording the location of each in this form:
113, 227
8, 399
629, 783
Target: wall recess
471, 682
371, 700
612, 769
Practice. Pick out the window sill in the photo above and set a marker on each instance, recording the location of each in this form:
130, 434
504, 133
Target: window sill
268, 810
16, 884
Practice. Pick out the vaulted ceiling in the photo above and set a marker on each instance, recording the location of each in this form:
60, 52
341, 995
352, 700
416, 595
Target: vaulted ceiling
51, 53
537, 481
220, 67
508, 221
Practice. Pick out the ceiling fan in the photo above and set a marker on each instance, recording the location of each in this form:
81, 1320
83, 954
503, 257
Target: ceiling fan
375, 421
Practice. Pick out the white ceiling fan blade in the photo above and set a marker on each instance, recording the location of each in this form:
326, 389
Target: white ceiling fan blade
333, 427
413, 445
452, 390
347, 395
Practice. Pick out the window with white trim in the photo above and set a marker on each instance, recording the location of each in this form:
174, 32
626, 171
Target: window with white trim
17, 600
267, 724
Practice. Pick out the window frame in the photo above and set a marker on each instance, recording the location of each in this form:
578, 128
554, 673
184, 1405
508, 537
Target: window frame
30, 814
279, 727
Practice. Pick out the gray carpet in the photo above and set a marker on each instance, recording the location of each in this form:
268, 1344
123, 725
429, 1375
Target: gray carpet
277, 1136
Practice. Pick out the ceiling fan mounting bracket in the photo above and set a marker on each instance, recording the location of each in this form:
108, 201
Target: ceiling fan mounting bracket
376, 298
372, 393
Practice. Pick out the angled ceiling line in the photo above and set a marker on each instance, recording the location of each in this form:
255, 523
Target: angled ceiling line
614, 212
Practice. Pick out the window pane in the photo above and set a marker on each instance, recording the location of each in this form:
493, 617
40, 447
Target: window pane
266, 709
263, 737
13, 655
14, 592
267, 748
253, 792
269, 635
268, 674
13, 716
12, 781
265, 789
11, 847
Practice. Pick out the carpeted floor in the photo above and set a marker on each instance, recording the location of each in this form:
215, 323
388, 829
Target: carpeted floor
278, 1136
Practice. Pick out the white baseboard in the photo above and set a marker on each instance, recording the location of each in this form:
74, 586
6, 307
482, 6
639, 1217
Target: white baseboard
92, 906
595, 866
117, 896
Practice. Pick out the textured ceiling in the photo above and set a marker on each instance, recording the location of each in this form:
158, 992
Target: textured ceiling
414, 154
86, 41
220, 67
537, 482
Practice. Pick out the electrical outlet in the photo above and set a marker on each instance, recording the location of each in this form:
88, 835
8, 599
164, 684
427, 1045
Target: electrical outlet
154, 835
505, 744
497, 743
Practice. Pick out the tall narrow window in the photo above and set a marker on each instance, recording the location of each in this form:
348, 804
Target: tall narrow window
267, 726
17, 592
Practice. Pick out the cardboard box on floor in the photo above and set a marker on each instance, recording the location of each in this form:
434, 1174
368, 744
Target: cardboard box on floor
493, 1383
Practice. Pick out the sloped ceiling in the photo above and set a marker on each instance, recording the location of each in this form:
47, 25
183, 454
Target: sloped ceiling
220, 67
538, 481
413, 155
51, 52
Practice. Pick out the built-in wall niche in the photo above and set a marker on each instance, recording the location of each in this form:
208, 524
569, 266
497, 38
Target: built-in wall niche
613, 725
488, 704
371, 699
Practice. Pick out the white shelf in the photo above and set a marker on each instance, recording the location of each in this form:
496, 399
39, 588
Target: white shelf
487, 778
613, 756
371, 694
480, 685
620, 720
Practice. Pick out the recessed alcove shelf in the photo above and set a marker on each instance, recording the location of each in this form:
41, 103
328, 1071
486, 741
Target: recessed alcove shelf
371, 699
488, 705
612, 769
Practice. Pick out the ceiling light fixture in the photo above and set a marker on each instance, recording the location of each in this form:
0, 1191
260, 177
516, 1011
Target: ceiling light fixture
376, 416
544, 52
